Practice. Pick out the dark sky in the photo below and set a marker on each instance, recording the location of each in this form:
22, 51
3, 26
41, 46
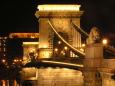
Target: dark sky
18, 15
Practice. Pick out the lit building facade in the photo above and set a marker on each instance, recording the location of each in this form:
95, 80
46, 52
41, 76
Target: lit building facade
3, 48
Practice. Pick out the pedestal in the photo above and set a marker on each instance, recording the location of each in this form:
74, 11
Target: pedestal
92, 62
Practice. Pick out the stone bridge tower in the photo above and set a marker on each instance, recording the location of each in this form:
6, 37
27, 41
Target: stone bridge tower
61, 17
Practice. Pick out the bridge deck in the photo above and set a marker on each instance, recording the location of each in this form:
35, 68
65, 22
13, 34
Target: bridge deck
108, 65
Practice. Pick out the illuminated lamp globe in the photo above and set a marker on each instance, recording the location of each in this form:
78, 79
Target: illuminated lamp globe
104, 41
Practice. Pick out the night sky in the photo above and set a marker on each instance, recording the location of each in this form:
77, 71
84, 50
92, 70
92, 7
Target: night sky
18, 15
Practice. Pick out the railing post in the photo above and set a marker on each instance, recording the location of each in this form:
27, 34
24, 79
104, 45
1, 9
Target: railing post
92, 62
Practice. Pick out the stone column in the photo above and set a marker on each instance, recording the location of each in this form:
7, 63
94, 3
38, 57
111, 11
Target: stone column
92, 62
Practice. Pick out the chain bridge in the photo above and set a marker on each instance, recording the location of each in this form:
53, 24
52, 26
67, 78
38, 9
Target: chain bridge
62, 44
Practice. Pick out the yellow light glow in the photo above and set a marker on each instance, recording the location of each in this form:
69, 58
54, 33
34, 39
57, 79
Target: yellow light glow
59, 7
3, 82
62, 52
36, 54
3, 60
45, 53
24, 35
104, 41
59, 42
82, 49
15, 60
55, 49
45, 46
83, 45
65, 48
32, 50
26, 60
32, 37
30, 43
79, 65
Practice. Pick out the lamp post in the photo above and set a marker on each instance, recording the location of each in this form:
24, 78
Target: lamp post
56, 52
66, 49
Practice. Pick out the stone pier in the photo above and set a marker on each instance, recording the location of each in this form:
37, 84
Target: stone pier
92, 62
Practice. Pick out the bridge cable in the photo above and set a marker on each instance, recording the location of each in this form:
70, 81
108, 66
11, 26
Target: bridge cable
81, 31
76, 51
108, 47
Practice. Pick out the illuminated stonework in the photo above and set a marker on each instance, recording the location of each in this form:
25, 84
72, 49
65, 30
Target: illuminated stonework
30, 43
61, 17
24, 35
29, 47
58, 10
45, 53
58, 7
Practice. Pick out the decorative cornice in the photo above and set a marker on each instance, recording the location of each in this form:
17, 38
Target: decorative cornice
57, 14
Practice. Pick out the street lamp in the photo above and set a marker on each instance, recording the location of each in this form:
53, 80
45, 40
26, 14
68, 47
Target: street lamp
104, 41
59, 42
55, 49
65, 48
3, 60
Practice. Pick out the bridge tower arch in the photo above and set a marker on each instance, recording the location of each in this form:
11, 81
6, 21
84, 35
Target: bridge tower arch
60, 16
